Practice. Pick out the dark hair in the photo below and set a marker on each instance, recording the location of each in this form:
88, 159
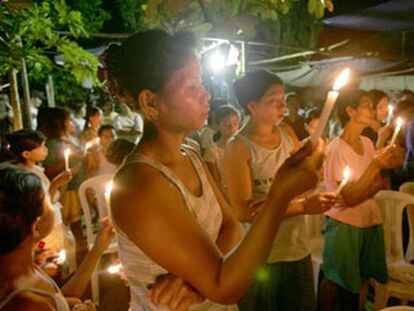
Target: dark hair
405, 108
311, 114
347, 98
223, 112
75, 105
24, 140
253, 86
90, 112
146, 60
51, 121
105, 127
214, 104
118, 150
376, 96
21, 201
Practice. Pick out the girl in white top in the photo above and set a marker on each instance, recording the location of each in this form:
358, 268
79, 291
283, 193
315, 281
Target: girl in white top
354, 239
175, 228
251, 161
227, 119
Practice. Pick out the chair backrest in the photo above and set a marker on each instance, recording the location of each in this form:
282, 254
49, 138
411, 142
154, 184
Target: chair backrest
392, 204
398, 308
408, 187
97, 185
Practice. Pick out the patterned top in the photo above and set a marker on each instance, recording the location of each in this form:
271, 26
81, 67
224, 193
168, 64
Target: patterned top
139, 268
291, 241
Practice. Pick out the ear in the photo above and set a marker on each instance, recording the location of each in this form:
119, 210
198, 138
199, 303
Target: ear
251, 106
26, 154
350, 112
148, 105
35, 229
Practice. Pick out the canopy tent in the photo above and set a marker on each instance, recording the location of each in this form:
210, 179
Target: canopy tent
395, 15
323, 73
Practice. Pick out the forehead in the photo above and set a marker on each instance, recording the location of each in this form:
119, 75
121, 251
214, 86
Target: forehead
190, 71
275, 89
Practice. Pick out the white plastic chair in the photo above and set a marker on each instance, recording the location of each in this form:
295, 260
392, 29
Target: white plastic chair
392, 204
97, 185
314, 226
399, 308
408, 187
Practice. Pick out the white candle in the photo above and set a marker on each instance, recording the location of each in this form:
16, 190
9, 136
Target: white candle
390, 113
347, 175
107, 193
67, 154
114, 268
396, 130
87, 146
340, 81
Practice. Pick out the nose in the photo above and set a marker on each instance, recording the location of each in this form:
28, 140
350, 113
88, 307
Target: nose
205, 95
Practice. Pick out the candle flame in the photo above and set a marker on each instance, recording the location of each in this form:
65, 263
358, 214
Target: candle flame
347, 173
62, 257
342, 79
88, 145
114, 268
67, 152
109, 186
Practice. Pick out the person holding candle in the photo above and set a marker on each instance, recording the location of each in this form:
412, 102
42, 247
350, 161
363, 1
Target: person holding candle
175, 230
379, 132
251, 160
57, 126
26, 218
354, 241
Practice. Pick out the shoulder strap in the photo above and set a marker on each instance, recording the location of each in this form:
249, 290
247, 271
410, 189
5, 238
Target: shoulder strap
36, 291
143, 159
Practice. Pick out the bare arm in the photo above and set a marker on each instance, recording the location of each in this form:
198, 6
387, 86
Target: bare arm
182, 247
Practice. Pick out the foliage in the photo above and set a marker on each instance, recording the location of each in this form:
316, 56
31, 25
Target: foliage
220, 17
93, 15
30, 31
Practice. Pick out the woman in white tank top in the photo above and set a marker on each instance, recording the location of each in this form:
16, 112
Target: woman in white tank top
175, 229
251, 161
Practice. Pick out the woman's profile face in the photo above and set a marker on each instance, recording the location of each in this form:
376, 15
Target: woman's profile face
364, 113
229, 125
271, 107
381, 111
183, 102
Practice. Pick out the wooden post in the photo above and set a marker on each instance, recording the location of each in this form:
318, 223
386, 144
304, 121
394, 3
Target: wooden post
27, 116
50, 91
14, 100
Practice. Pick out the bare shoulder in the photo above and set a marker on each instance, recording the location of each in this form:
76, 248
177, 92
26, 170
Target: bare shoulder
29, 302
288, 129
236, 146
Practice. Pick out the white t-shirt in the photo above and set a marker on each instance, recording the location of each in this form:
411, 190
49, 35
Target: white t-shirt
339, 155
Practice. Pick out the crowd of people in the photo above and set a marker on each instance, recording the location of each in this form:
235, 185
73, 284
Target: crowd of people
207, 216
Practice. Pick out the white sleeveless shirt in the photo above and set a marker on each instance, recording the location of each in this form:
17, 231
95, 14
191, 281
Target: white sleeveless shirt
291, 241
139, 268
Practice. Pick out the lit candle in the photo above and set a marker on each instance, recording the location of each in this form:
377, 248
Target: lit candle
107, 193
347, 175
340, 81
396, 130
67, 154
114, 268
87, 146
61, 257
390, 113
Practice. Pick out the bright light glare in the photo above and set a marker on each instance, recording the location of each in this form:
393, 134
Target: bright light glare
233, 56
217, 62
114, 268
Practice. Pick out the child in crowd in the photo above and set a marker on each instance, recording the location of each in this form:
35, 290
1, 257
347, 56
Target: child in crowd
227, 119
79, 113
118, 150
208, 132
312, 120
93, 122
26, 218
354, 240
28, 150
251, 161
176, 234
106, 135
